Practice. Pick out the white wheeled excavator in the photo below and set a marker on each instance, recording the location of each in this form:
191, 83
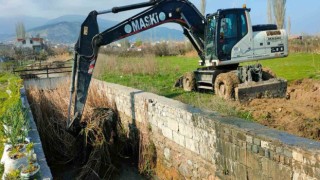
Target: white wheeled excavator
222, 39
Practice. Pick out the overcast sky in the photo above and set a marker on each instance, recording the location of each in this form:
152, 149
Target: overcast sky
304, 14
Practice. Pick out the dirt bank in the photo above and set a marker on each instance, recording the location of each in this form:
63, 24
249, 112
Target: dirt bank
298, 113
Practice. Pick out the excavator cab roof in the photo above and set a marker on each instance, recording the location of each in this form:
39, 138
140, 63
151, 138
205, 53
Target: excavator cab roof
233, 10
224, 11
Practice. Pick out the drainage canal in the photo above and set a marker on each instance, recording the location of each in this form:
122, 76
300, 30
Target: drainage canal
103, 150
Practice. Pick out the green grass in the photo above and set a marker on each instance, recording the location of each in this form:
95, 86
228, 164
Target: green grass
295, 66
161, 82
169, 69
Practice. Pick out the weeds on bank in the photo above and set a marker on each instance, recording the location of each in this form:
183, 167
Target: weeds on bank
102, 135
10, 108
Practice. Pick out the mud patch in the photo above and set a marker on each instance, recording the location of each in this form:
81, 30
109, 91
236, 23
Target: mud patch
298, 113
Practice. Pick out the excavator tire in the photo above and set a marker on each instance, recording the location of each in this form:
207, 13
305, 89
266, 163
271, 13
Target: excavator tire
235, 83
188, 81
225, 84
235, 79
267, 73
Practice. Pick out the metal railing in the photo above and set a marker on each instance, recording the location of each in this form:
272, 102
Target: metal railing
37, 72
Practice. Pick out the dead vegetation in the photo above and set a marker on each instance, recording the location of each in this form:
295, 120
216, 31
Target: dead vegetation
147, 155
146, 65
307, 44
97, 140
100, 148
50, 110
62, 57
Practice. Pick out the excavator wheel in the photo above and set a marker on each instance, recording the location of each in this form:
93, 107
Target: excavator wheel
267, 74
224, 85
235, 83
188, 81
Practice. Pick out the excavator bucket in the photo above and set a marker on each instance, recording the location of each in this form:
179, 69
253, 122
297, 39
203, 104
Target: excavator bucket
272, 88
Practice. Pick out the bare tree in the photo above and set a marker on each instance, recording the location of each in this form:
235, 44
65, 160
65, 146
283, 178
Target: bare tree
269, 12
279, 12
20, 30
289, 25
203, 7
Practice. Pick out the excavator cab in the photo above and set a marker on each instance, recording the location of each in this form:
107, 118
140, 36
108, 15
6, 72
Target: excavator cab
224, 30
231, 39
232, 28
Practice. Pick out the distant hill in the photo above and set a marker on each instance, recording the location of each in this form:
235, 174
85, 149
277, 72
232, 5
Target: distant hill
80, 19
66, 18
65, 29
62, 32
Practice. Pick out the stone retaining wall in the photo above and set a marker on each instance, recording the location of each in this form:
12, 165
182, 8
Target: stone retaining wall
196, 144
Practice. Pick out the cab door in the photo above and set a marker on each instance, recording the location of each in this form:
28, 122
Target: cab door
234, 40
243, 50
210, 36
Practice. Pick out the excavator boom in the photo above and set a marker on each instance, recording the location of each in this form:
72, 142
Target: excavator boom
90, 39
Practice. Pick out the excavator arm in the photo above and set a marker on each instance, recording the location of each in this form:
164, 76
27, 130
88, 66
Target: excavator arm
159, 12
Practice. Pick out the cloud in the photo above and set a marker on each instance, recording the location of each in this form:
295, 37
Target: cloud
56, 8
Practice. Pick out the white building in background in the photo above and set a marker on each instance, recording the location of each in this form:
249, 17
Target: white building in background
33, 43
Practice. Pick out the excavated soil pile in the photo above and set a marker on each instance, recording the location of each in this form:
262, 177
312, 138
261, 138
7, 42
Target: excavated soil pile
298, 113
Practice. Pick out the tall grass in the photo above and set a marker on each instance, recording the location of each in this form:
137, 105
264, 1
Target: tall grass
308, 44
145, 65
50, 110
59, 57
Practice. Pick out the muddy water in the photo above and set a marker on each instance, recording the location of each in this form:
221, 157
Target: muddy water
126, 172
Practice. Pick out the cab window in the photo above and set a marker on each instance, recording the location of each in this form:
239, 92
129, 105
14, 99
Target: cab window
233, 27
244, 27
229, 26
210, 45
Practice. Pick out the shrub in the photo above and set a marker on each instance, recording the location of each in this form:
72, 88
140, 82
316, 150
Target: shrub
161, 49
15, 118
307, 44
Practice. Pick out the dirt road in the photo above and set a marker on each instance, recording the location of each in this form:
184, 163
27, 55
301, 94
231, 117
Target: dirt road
298, 113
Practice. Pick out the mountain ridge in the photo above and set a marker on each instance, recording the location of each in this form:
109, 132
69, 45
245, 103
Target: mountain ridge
65, 29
